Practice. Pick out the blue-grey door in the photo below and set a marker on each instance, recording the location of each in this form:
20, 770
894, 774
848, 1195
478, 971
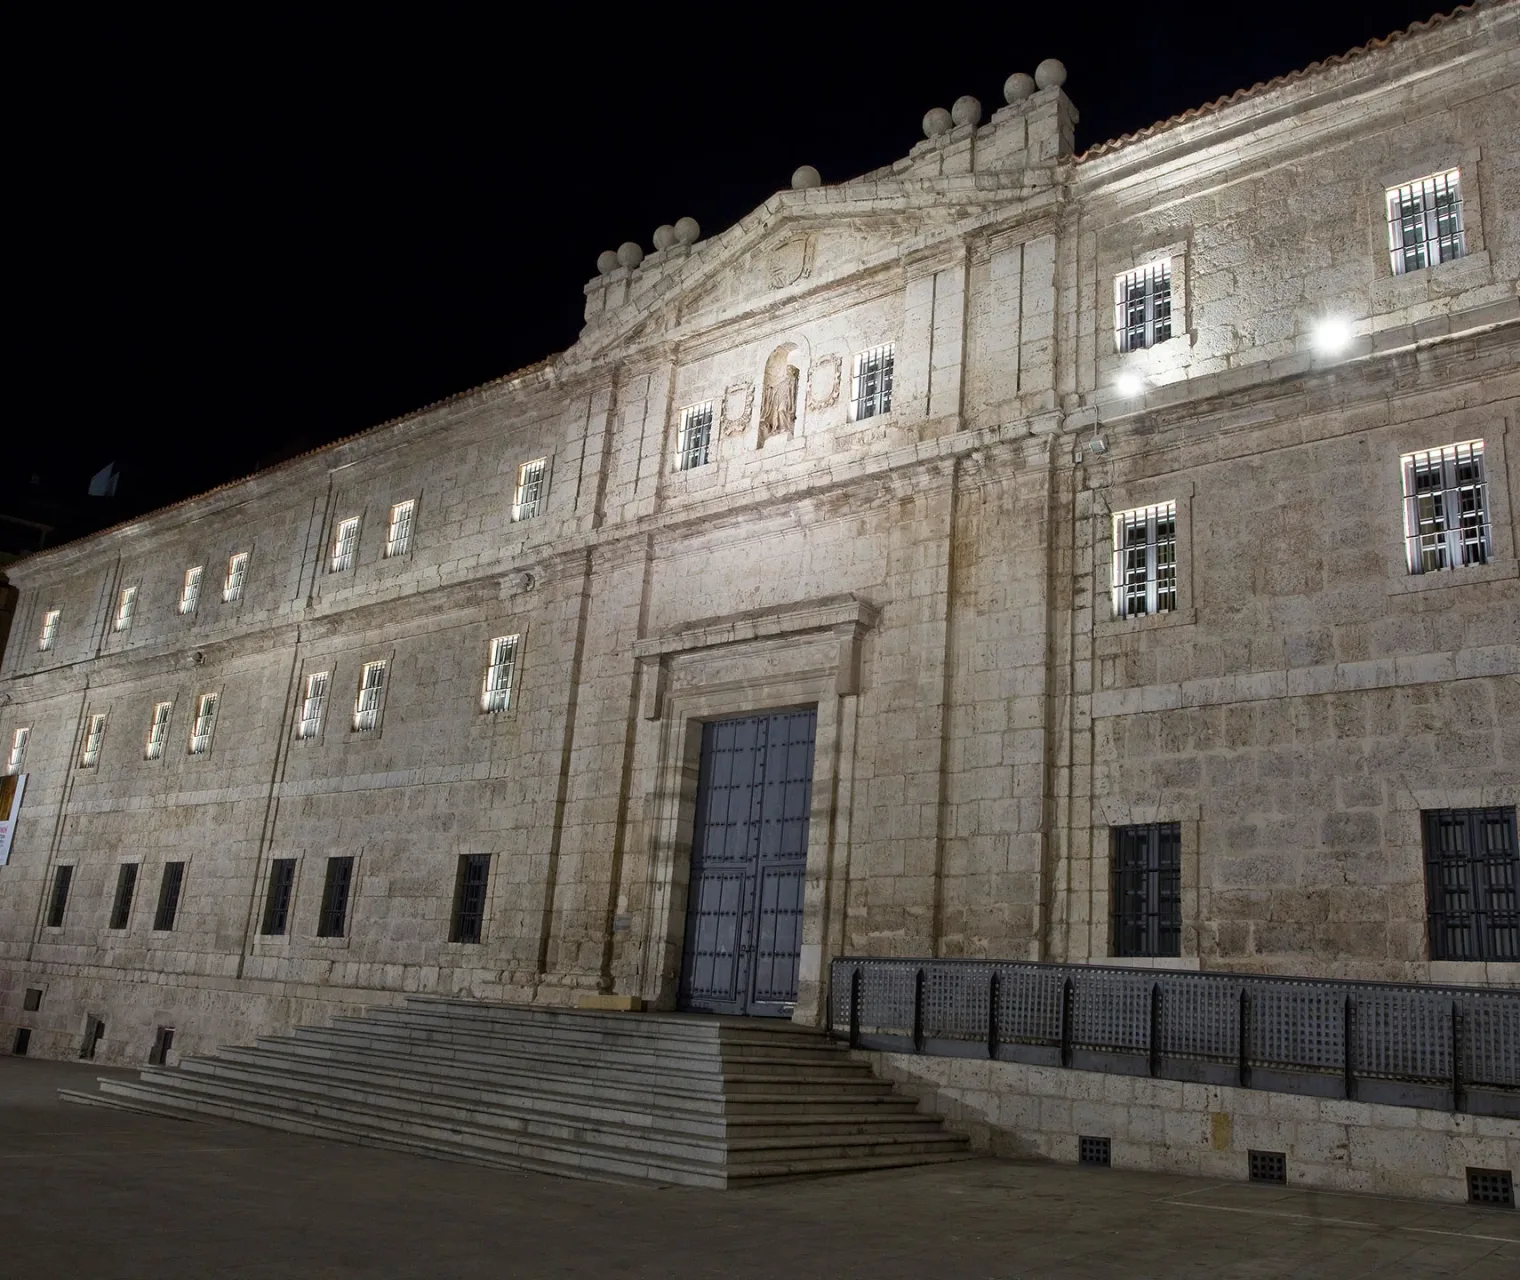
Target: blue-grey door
748, 864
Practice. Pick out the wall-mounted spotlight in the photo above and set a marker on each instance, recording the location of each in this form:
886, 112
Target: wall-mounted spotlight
1331, 336
1129, 384
1097, 444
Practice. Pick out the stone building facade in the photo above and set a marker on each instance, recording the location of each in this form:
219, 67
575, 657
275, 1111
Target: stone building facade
844, 483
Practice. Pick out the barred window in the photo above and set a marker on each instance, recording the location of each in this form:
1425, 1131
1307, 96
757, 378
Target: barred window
1472, 880
333, 918
871, 383
17, 757
126, 605
313, 705
158, 730
282, 884
237, 573
94, 736
63, 877
497, 695
1425, 222
694, 445
398, 538
367, 702
1143, 306
200, 730
1145, 561
126, 887
345, 545
1446, 518
190, 593
168, 896
530, 488
49, 630
1147, 890
470, 897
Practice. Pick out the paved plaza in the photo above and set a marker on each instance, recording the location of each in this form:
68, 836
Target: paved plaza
91, 1194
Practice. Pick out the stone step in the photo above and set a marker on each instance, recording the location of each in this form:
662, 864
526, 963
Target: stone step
84, 1098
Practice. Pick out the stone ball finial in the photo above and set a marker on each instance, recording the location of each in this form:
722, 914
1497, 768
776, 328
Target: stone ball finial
1050, 74
937, 121
967, 110
607, 262
664, 236
688, 232
1017, 87
629, 254
806, 178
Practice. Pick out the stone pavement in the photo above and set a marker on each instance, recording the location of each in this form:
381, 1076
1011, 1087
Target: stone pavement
91, 1194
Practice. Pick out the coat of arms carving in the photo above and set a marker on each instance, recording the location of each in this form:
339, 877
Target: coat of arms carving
790, 261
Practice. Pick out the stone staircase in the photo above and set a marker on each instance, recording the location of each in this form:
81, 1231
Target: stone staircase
712, 1102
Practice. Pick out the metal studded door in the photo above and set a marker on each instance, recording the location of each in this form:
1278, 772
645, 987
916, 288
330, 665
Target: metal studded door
748, 864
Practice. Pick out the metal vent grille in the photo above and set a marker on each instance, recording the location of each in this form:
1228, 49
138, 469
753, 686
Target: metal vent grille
1094, 1151
1268, 1166
1491, 1186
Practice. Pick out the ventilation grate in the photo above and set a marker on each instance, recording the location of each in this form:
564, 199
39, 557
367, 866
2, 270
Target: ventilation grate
1094, 1151
1268, 1166
1491, 1186
33, 999
23, 1041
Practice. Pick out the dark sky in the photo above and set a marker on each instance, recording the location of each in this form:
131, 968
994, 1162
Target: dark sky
264, 227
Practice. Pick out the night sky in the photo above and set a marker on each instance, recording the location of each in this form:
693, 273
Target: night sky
274, 229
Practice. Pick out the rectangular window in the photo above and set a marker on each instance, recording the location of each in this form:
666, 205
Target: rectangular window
200, 731
17, 757
1145, 561
158, 730
398, 538
530, 488
694, 444
334, 917
190, 593
93, 737
503, 662
1143, 306
282, 884
345, 545
470, 897
168, 896
1472, 881
49, 630
126, 605
1425, 222
313, 706
1147, 889
126, 886
371, 690
237, 573
1446, 520
59, 902
871, 383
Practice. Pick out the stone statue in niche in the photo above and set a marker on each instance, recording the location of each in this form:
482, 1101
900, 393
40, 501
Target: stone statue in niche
778, 405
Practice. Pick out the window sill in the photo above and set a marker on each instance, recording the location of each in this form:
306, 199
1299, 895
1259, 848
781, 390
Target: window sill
1146, 622
1185, 964
1505, 973
1493, 571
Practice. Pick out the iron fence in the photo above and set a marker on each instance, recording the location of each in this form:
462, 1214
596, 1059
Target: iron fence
1448, 1047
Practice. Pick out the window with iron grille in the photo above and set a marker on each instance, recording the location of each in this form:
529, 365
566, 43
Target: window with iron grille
345, 545
282, 884
371, 691
334, 917
126, 605
190, 592
94, 736
470, 897
313, 705
1143, 306
398, 538
49, 630
17, 757
126, 886
1145, 561
871, 383
168, 896
158, 730
694, 444
200, 730
1425, 222
530, 488
1147, 890
59, 902
497, 695
1472, 882
1446, 518
237, 573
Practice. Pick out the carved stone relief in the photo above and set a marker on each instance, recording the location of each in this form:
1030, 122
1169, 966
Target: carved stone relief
824, 382
738, 404
790, 261
778, 402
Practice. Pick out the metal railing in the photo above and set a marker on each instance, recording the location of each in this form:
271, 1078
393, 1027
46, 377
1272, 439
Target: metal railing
1447, 1047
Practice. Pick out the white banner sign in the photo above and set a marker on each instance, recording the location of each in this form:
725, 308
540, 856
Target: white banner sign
11, 789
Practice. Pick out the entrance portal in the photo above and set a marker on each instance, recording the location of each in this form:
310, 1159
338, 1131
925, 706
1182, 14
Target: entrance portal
748, 864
